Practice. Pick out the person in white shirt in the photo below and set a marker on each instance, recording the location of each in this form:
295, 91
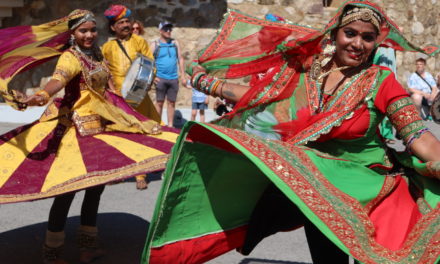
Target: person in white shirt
421, 85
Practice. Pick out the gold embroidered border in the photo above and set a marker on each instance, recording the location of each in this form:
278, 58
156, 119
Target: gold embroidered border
411, 129
61, 76
93, 179
397, 105
88, 125
350, 100
388, 186
231, 20
418, 195
426, 229
281, 83
344, 215
88, 65
405, 118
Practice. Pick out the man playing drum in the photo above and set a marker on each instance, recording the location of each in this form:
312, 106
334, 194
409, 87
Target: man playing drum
120, 52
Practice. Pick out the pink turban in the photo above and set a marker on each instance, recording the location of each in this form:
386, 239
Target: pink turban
116, 12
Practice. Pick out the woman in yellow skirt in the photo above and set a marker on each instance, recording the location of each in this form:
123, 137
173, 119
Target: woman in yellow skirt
85, 139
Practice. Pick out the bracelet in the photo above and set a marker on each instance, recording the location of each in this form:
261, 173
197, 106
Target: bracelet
414, 137
216, 84
205, 83
220, 93
43, 93
196, 78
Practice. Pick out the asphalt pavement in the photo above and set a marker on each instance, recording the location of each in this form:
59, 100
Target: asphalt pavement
124, 217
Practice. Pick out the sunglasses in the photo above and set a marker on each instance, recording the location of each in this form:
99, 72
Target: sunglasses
167, 29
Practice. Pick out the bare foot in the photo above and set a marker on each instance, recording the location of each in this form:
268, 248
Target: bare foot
141, 184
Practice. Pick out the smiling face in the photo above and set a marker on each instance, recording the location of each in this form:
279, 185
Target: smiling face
122, 28
354, 43
85, 34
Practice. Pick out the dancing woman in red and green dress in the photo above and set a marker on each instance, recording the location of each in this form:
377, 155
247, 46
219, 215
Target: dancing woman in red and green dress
302, 148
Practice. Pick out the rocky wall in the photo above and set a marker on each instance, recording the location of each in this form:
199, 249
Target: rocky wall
197, 22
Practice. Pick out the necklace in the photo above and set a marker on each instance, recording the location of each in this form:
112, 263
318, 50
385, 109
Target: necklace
87, 52
346, 86
325, 94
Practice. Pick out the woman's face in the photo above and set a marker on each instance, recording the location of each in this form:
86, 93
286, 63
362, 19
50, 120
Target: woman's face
85, 35
136, 28
354, 43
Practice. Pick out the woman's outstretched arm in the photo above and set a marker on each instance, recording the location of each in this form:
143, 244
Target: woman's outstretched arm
232, 92
41, 97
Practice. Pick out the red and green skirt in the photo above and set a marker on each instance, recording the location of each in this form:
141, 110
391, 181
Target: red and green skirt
216, 176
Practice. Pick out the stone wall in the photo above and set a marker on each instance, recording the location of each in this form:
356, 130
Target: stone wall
197, 22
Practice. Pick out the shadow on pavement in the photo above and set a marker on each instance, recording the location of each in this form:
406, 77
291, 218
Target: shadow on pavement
121, 235
268, 261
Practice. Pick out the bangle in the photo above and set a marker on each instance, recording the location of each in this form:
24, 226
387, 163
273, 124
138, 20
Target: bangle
204, 84
215, 86
220, 93
196, 78
43, 93
212, 86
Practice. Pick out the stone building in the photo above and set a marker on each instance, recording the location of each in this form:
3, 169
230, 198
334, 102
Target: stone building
198, 20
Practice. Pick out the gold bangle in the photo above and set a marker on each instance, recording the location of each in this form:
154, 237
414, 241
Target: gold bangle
43, 93
215, 86
220, 93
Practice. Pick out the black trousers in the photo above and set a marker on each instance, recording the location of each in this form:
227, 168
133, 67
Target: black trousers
61, 205
274, 212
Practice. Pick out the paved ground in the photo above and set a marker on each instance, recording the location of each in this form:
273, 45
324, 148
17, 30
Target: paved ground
125, 214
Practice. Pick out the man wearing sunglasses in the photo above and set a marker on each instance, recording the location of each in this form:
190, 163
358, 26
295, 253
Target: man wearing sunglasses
169, 66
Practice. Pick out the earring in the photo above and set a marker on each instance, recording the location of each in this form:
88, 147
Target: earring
328, 52
330, 48
72, 40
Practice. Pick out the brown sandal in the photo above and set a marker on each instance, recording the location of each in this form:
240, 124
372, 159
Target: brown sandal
88, 248
52, 255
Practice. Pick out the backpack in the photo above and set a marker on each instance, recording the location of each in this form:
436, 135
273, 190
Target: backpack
157, 48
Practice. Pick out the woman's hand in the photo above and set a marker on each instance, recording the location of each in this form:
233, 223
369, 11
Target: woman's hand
183, 80
111, 87
427, 148
18, 98
430, 169
34, 100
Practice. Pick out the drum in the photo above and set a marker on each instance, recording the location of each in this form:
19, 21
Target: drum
138, 80
435, 109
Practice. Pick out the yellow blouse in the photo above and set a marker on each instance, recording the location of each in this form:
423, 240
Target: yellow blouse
91, 108
118, 62
67, 67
